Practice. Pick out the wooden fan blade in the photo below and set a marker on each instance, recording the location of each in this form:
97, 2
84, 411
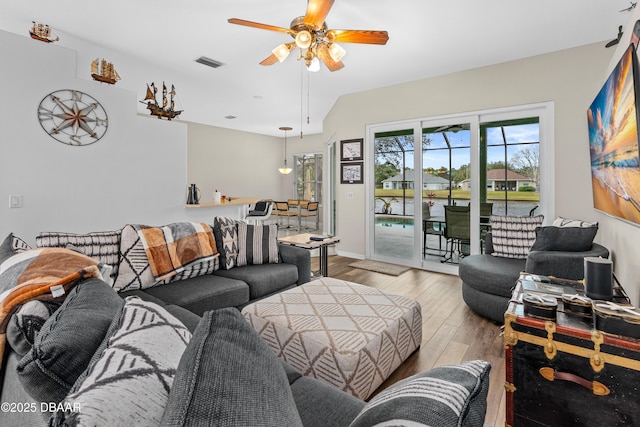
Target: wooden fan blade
259, 25
270, 60
322, 51
358, 36
317, 11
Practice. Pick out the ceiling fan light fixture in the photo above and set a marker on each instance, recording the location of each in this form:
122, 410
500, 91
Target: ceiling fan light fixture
281, 52
303, 39
314, 65
336, 52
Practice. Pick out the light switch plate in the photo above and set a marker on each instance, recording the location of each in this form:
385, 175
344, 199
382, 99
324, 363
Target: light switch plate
15, 201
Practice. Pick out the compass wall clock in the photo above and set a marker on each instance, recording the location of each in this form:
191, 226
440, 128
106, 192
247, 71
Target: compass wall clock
72, 117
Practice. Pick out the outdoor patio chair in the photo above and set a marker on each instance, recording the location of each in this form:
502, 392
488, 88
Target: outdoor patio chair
457, 231
430, 228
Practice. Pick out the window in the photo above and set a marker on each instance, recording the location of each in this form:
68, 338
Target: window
308, 177
512, 166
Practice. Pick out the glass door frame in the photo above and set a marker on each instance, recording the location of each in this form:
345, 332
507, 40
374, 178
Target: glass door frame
545, 112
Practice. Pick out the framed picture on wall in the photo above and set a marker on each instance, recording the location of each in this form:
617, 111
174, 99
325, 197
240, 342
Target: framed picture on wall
351, 173
351, 149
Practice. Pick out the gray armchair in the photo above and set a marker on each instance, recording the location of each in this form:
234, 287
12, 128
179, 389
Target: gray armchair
488, 281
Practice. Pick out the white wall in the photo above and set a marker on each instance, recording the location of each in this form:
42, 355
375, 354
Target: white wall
242, 163
135, 173
614, 233
570, 78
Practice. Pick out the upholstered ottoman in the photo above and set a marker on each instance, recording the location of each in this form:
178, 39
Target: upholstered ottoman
349, 335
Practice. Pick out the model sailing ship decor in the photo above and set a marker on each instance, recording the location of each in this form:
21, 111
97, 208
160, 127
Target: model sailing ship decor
42, 33
167, 108
103, 71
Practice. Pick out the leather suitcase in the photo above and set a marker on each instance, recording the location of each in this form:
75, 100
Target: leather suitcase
565, 373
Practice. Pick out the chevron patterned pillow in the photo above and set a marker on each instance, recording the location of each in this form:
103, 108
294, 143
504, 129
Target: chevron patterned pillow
130, 377
225, 231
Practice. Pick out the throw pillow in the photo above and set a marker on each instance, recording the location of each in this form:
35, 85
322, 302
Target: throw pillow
257, 244
68, 340
564, 222
447, 396
131, 375
26, 323
10, 246
225, 231
230, 375
134, 271
513, 236
6, 248
568, 239
102, 245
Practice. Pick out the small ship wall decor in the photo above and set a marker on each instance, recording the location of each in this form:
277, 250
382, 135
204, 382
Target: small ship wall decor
103, 71
42, 33
165, 109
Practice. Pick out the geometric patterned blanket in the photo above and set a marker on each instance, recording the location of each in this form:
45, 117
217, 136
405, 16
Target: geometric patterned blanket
173, 247
39, 274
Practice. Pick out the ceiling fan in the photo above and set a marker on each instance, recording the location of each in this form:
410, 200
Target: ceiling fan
315, 41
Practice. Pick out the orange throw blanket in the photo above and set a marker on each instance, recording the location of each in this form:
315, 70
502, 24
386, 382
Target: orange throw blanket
39, 274
173, 247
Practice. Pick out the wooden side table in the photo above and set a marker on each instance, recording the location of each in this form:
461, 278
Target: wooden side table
304, 241
566, 373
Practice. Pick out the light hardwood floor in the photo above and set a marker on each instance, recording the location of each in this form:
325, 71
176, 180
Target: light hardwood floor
451, 332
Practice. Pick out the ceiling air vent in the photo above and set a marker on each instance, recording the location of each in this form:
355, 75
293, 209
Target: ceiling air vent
209, 62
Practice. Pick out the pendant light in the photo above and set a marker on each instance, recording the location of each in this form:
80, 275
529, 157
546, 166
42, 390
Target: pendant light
285, 170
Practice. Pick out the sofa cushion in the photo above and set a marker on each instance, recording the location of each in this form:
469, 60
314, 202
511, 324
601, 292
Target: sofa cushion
564, 238
321, 404
67, 341
129, 379
225, 231
263, 279
228, 374
513, 236
25, 324
102, 245
489, 274
447, 396
203, 293
257, 244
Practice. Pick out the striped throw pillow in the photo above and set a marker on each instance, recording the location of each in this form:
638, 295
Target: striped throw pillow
446, 396
513, 236
257, 244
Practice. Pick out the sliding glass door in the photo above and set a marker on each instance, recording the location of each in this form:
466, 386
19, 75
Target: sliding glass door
394, 194
481, 164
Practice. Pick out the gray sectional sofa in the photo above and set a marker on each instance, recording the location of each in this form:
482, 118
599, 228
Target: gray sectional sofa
170, 355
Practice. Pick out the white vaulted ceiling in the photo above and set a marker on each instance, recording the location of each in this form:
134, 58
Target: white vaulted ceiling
157, 40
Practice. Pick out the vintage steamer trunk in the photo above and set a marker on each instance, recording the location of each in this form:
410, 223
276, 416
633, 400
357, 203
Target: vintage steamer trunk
565, 373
